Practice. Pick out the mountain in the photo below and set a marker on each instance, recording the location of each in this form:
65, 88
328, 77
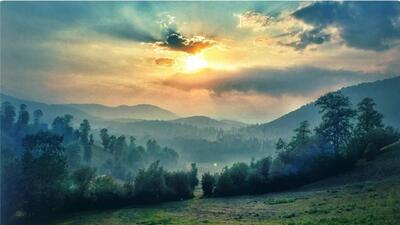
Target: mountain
142, 111
204, 122
50, 111
386, 94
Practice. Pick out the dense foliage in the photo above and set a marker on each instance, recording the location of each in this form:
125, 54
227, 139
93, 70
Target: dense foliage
44, 170
344, 137
47, 170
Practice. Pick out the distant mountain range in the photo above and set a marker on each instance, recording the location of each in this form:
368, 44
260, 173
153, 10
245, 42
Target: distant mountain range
50, 111
142, 111
204, 121
136, 115
386, 94
148, 119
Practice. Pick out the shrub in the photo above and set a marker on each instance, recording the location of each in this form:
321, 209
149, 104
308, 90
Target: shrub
179, 185
208, 182
105, 192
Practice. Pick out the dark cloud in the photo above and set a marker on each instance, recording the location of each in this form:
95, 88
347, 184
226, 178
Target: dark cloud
315, 36
301, 81
164, 61
364, 25
177, 42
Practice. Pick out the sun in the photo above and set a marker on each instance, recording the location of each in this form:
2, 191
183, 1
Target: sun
195, 62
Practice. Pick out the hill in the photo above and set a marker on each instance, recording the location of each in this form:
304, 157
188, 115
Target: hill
50, 111
386, 94
142, 111
204, 122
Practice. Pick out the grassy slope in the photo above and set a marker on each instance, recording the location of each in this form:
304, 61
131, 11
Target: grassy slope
368, 195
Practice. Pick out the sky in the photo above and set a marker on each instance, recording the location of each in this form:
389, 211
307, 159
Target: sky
248, 61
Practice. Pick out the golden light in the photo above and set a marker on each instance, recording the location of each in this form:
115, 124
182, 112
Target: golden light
195, 62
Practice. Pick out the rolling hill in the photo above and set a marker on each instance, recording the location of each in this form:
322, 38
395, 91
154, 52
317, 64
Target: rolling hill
141, 111
50, 111
386, 94
204, 122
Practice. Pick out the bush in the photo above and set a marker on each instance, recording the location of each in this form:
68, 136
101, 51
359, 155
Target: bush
105, 192
157, 185
233, 180
179, 185
149, 185
208, 182
81, 179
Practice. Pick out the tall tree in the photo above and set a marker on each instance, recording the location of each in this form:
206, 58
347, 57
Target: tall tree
280, 144
194, 181
302, 133
368, 118
7, 116
120, 147
23, 117
62, 126
37, 116
84, 130
105, 138
336, 119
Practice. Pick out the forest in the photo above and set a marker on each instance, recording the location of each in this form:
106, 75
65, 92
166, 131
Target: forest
51, 169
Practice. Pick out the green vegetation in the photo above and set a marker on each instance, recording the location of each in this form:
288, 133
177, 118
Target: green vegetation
46, 171
49, 171
334, 148
367, 202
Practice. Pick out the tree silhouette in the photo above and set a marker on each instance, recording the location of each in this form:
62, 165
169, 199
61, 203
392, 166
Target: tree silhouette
368, 118
336, 119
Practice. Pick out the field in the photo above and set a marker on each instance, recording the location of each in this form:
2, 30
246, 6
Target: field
368, 195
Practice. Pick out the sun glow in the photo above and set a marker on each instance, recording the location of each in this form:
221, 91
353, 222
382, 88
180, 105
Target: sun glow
195, 62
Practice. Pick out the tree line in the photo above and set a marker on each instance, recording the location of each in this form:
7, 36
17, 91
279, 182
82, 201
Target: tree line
344, 137
48, 170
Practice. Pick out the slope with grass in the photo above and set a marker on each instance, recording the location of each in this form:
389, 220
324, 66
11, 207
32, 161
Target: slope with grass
370, 194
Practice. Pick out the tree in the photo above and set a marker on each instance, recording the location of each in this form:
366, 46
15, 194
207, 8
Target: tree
132, 143
280, 144
86, 140
194, 181
82, 178
7, 116
120, 147
105, 138
73, 154
87, 153
208, 184
337, 113
44, 173
23, 117
62, 126
112, 143
150, 184
368, 118
302, 133
37, 116
84, 129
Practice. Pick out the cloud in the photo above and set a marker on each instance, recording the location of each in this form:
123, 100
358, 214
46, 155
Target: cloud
253, 20
296, 81
164, 61
315, 36
177, 42
364, 25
